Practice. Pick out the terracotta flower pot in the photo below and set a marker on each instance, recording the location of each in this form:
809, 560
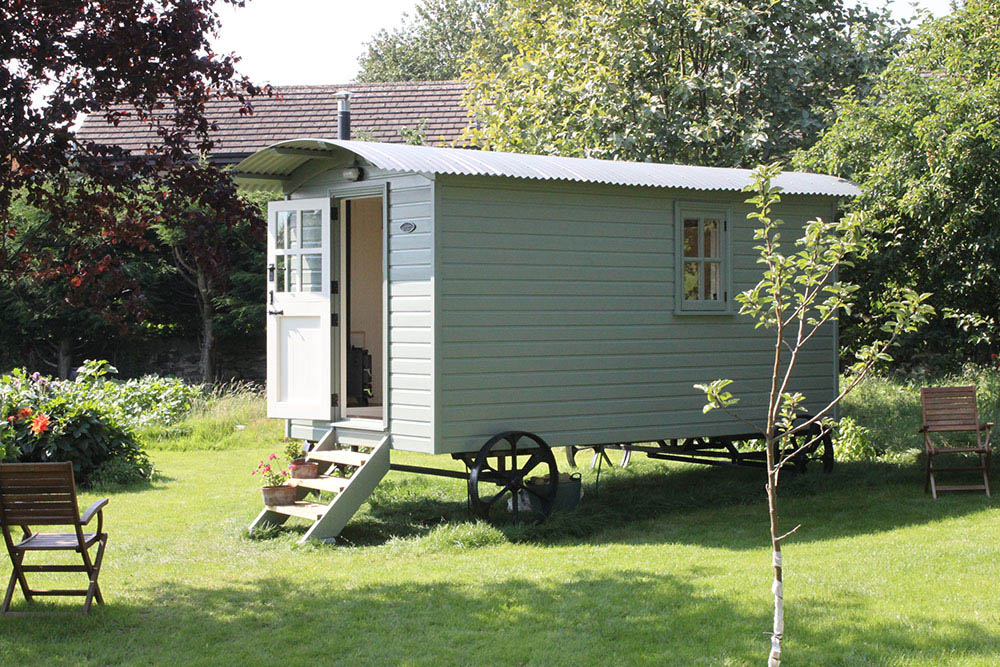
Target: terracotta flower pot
302, 469
278, 495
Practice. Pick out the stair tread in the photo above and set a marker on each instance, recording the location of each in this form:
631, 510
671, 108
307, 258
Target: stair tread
300, 508
975, 487
322, 483
348, 441
340, 456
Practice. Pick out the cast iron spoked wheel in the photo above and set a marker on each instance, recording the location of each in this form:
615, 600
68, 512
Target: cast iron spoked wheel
600, 451
500, 472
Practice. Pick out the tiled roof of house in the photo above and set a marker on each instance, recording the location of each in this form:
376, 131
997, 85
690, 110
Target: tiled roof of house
378, 112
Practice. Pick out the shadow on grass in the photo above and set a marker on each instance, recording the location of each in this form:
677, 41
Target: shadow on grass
594, 618
158, 482
857, 498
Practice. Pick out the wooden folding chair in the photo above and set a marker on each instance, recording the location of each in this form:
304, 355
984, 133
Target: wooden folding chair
954, 409
44, 494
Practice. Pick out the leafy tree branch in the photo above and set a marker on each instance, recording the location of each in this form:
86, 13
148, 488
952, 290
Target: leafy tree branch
799, 295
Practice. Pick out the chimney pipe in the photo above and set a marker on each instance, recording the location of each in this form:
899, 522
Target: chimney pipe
343, 114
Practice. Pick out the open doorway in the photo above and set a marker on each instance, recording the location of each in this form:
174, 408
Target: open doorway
362, 340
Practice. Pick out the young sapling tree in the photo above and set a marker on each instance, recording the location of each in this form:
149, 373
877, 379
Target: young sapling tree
798, 296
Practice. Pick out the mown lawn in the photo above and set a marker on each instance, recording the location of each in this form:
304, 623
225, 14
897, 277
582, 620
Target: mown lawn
667, 564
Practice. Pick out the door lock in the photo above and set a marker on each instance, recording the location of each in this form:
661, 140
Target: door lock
270, 273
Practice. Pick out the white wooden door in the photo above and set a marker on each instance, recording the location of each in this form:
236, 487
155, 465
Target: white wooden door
300, 331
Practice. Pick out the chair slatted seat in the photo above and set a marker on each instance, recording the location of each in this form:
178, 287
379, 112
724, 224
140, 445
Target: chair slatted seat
33, 494
953, 410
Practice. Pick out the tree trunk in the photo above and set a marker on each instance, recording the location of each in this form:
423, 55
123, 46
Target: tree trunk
65, 358
207, 330
774, 659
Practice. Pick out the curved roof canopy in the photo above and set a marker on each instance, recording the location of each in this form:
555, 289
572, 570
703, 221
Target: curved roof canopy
287, 165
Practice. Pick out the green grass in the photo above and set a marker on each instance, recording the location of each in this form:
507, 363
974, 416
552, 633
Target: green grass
891, 407
668, 564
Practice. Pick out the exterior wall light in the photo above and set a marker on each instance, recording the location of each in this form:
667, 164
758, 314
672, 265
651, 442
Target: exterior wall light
353, 174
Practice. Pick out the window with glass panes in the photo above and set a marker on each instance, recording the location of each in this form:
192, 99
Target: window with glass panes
702, 261
299, 251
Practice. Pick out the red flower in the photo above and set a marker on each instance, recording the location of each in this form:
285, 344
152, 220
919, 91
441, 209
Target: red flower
40, 424
12, 419
24, 413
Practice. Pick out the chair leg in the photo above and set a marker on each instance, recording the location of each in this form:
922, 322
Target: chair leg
984, 460
94, 571
931, 481
21, 578
10, 593
16, 577
97, 569
927, 472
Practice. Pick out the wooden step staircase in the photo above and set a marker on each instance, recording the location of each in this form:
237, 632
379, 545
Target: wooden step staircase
351, 466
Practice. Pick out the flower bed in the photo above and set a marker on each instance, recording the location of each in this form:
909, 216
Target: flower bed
90, 421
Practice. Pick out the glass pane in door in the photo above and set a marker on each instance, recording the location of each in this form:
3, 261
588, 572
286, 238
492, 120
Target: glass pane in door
312, 229
293, 273
293, 230
312, 272
281, 229
279, 273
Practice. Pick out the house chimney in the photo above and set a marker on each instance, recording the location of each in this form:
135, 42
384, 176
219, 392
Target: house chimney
344, 114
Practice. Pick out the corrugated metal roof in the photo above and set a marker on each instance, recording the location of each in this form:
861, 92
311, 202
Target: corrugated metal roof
277, 163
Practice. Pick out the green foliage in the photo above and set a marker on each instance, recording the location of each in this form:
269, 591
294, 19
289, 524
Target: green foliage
230, 417
41, 321
50, 420
415, 136
924, 146
138, 402
293, 450
889, 406
92, 421
44, 309
853, 442
433, 45
799, 293
128, 468
712, 82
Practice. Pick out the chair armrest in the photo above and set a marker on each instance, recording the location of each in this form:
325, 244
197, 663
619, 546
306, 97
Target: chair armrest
986, 425
92, 510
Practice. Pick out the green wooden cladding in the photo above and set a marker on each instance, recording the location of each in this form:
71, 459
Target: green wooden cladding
551, 307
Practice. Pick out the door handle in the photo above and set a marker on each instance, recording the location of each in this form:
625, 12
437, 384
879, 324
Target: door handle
275, 312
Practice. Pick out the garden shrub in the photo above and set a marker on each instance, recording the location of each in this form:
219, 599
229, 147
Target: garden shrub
853, 442
150, 399
91, 421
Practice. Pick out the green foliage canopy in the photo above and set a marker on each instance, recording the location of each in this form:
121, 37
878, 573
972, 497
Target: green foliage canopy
924, 146
713, 82
432, 45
